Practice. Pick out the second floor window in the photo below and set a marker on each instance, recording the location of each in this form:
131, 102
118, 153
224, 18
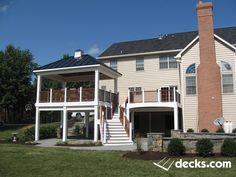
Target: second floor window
113, 64
227, 78
139, 64
191, 80
167, 62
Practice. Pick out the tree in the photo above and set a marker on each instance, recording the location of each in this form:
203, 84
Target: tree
16, 86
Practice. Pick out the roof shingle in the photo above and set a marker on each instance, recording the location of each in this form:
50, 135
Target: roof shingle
168, 42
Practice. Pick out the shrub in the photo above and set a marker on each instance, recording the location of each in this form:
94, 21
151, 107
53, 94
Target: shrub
220, 130
46, 131
190, 130
176, 147
138, 142
228, 148
29, 134
205, 130
77, 130
234, 130
204, 147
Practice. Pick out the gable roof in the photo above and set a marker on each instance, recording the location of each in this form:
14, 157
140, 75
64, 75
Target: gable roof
166, 43
71, 61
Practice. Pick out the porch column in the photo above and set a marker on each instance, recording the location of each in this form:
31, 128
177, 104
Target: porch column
87, 124
176, 118
38, 88
132, 122
96, 89
115, 85
96, 107
64, 135
95, 123
37, 124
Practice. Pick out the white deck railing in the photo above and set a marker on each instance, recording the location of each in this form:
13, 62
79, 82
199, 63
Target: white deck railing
148, 96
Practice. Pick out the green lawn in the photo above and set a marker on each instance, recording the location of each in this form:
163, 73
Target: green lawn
25, 161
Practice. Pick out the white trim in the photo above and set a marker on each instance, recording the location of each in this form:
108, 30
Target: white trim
65, 68
137, 54
179, 55
225, 42
156, 104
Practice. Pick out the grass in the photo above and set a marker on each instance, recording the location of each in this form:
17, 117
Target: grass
31, 161
7, 130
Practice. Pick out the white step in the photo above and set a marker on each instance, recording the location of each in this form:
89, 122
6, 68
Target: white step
119, 142
118, 138
117, 135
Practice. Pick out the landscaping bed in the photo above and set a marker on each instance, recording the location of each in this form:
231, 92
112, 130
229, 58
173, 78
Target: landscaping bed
79, 143
150, 155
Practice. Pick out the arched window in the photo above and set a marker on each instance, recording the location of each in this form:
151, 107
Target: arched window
191, 80
227, 78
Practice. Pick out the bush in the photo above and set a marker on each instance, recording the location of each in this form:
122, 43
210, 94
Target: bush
228, 148
46, 131
220, 130
234, 130
176, 147
204, 147
190, 130
205, 130
138, 142
77, 130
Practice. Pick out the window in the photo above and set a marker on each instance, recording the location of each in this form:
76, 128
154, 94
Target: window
103, 87
113, 64
139, 64
138, 90
167, 62
227, 78
191, 80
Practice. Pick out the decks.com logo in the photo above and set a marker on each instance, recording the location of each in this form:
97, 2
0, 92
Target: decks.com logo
167, 163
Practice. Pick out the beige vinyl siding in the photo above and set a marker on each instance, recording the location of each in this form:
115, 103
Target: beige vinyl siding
151, 78
189, 102
223, 53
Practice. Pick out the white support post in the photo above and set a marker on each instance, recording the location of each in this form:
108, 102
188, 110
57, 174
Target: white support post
130, 131
96, 107
128, 96
37, 124
65, 96
95, 123
87, 124
176, 118
143, 96
50, 95
38, 88
115, 85
80, 94
159, 95
64, 135
96, 90
132, 121
174, 94
105, 132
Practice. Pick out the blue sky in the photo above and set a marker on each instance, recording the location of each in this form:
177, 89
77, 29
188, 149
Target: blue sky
50, 28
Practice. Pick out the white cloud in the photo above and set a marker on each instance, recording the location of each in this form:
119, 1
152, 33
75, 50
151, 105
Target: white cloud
94, 50
4, 8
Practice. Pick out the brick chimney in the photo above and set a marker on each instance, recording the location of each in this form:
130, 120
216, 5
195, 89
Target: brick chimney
208, 71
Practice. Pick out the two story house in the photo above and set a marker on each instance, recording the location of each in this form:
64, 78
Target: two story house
175, 81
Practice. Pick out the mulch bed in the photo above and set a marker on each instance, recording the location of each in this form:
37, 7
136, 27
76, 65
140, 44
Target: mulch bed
18, 142
149, 155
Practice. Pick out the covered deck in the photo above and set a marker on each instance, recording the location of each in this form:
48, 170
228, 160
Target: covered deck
78, 68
